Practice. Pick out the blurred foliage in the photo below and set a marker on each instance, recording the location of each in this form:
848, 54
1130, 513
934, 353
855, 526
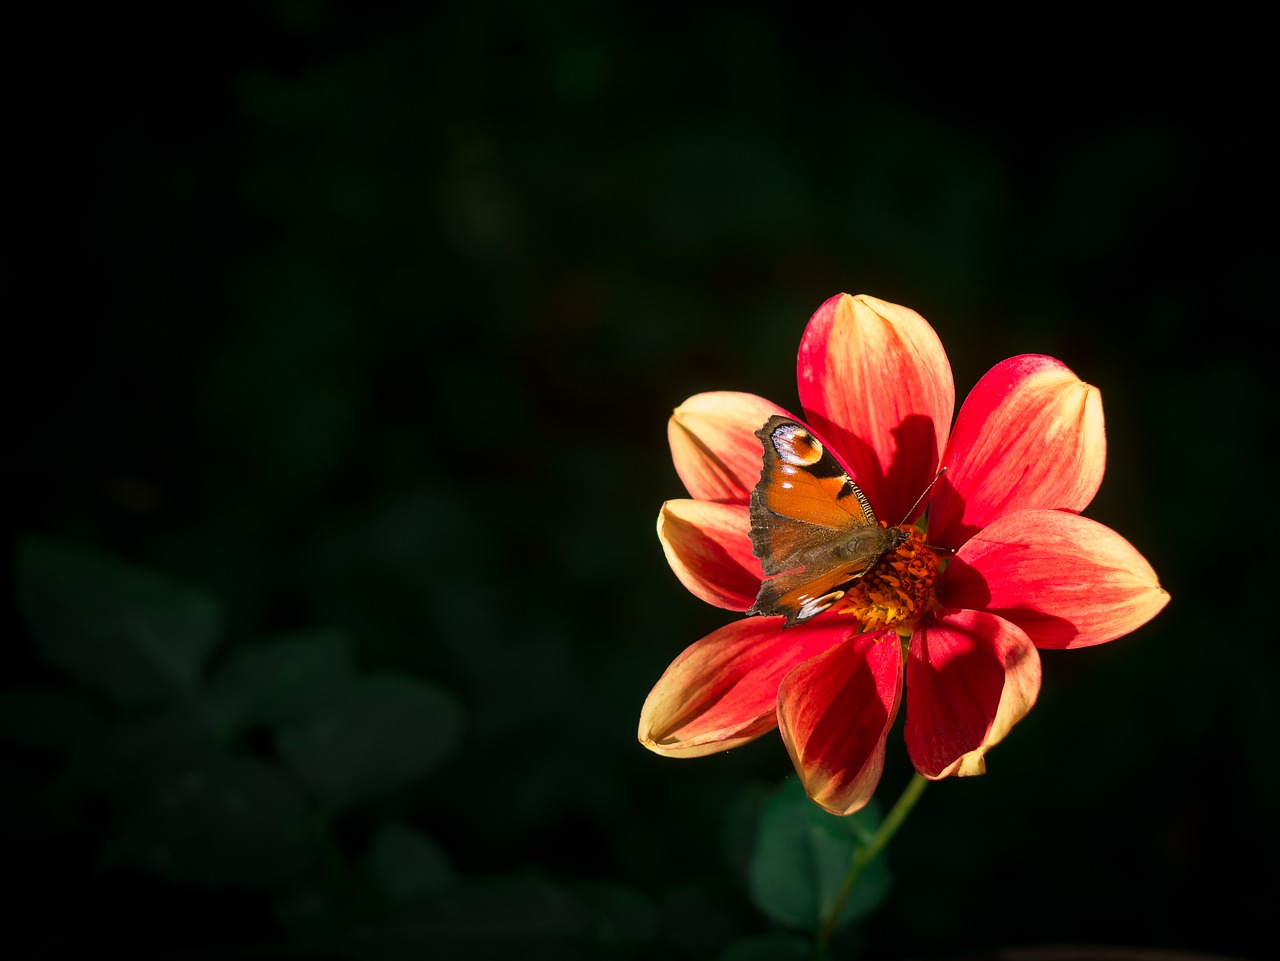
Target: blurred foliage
801, 856
347, 336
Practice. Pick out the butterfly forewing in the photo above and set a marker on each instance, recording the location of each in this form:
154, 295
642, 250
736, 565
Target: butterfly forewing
804, 499
819, 492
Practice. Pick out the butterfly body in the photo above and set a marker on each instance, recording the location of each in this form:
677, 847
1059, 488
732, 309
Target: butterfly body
812, 528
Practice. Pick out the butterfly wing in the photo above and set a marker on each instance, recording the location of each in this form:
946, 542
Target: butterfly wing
800, 595
811, 527
804, 500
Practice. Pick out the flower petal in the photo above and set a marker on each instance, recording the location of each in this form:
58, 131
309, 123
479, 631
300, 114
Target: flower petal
1066, 580
835, 712
722, 691
708, 545
970, 677
1029, 436
714, 446
875, 381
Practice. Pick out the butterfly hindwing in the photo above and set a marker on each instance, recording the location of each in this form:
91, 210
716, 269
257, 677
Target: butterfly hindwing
801, 594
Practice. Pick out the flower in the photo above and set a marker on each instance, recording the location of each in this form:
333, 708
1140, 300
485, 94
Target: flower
955, 614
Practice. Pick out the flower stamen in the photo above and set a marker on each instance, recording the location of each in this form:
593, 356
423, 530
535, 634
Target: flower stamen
898, 590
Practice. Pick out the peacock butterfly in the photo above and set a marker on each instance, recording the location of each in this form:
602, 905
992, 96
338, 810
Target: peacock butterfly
811, 526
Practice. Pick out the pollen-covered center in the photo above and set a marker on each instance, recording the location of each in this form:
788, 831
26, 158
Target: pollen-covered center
895, 592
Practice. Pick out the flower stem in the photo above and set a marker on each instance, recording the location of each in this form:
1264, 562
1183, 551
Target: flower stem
865, 855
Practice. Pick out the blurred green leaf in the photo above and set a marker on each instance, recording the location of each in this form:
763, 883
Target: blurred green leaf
123, 761
700, 916
741, 827
802, 855
385, 731
623, 916
46, 719
34, 812
496, 918
227, 822
310, 914
135, 635
407, 864
778, 946
282, 680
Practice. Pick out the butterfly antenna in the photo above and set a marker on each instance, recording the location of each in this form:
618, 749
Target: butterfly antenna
941, 471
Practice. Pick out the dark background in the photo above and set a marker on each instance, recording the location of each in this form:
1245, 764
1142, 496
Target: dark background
365, 326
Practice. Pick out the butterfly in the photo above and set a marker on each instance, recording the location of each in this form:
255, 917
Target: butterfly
811, 526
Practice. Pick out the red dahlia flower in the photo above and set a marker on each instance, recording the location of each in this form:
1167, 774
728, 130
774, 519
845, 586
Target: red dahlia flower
1020, 569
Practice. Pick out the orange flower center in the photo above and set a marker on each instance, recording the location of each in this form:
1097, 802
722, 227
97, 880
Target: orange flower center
899, 589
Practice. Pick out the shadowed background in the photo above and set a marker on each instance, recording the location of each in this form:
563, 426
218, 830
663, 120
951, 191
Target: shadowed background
337, 438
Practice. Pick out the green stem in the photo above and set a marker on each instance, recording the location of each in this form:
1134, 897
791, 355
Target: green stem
865, 855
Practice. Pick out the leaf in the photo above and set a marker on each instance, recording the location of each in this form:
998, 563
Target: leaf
282, 680
741, 825
407, 864
385, 731
123, 761
778, 946
234, 822
311, 915
624, 918
802, 856
36, 815
135, 635
486, 920
46, 719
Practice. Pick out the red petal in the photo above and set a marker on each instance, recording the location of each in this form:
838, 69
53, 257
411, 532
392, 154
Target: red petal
970, 678
1029, 436
875, 381
835, 712
708, 545
723, 690
1066, 580
714, 446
